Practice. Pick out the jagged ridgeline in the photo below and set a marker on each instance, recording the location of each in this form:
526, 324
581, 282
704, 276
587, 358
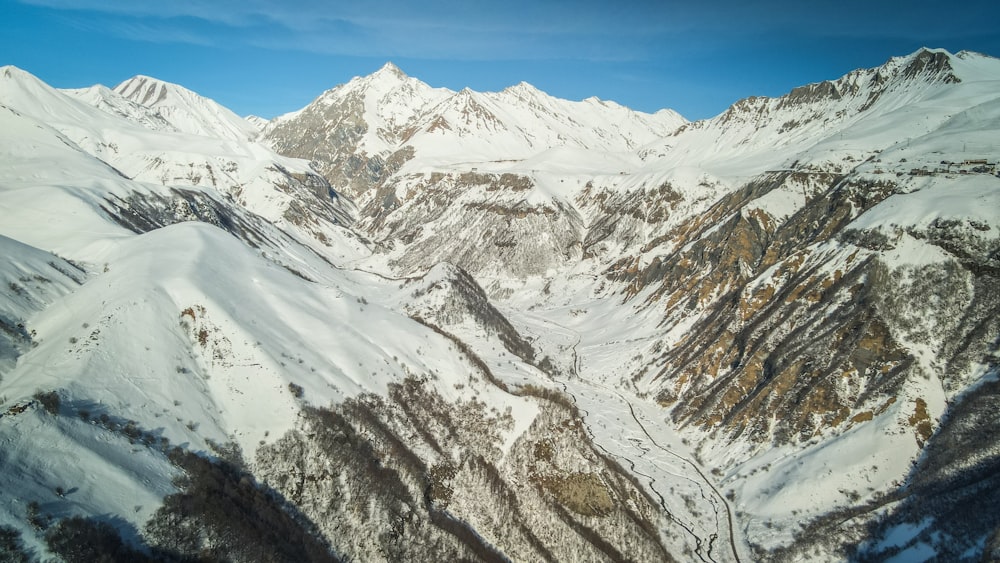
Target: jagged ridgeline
410, 324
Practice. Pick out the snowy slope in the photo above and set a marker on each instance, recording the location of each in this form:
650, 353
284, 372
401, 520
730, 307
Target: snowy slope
111, 102
185, 110
865, 109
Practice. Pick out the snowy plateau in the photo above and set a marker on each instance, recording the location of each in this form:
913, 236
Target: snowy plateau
410, 324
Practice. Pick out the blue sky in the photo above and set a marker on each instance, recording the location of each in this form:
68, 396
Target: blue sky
267, 57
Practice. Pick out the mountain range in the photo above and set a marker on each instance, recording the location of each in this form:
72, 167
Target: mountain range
408, 323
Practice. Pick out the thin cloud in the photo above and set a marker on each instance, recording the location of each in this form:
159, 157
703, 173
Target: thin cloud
521, 29
467, 30
153, 33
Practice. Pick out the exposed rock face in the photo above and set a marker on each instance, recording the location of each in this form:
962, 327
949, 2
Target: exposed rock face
330, 136
355, 134
934, 65
513, 237
733, 365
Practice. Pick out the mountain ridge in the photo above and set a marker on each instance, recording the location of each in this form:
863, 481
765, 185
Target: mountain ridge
367, 119
762, 123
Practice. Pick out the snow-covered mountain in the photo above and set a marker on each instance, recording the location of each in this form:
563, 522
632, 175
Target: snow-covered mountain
185, 110
406, 323
365, 130
877, 107
141, 144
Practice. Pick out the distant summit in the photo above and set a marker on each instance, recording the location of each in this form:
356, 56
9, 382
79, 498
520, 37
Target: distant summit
186, 110
391, 118
390, 68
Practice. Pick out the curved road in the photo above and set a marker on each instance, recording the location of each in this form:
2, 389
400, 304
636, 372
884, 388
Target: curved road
702, 478
725, 504
689, 528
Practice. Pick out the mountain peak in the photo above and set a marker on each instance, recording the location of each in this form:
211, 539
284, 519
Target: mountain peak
11, 72
524, 92
926, 64
390, 69
387, 78
522, 87
144, 90
186, 110
934, 64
